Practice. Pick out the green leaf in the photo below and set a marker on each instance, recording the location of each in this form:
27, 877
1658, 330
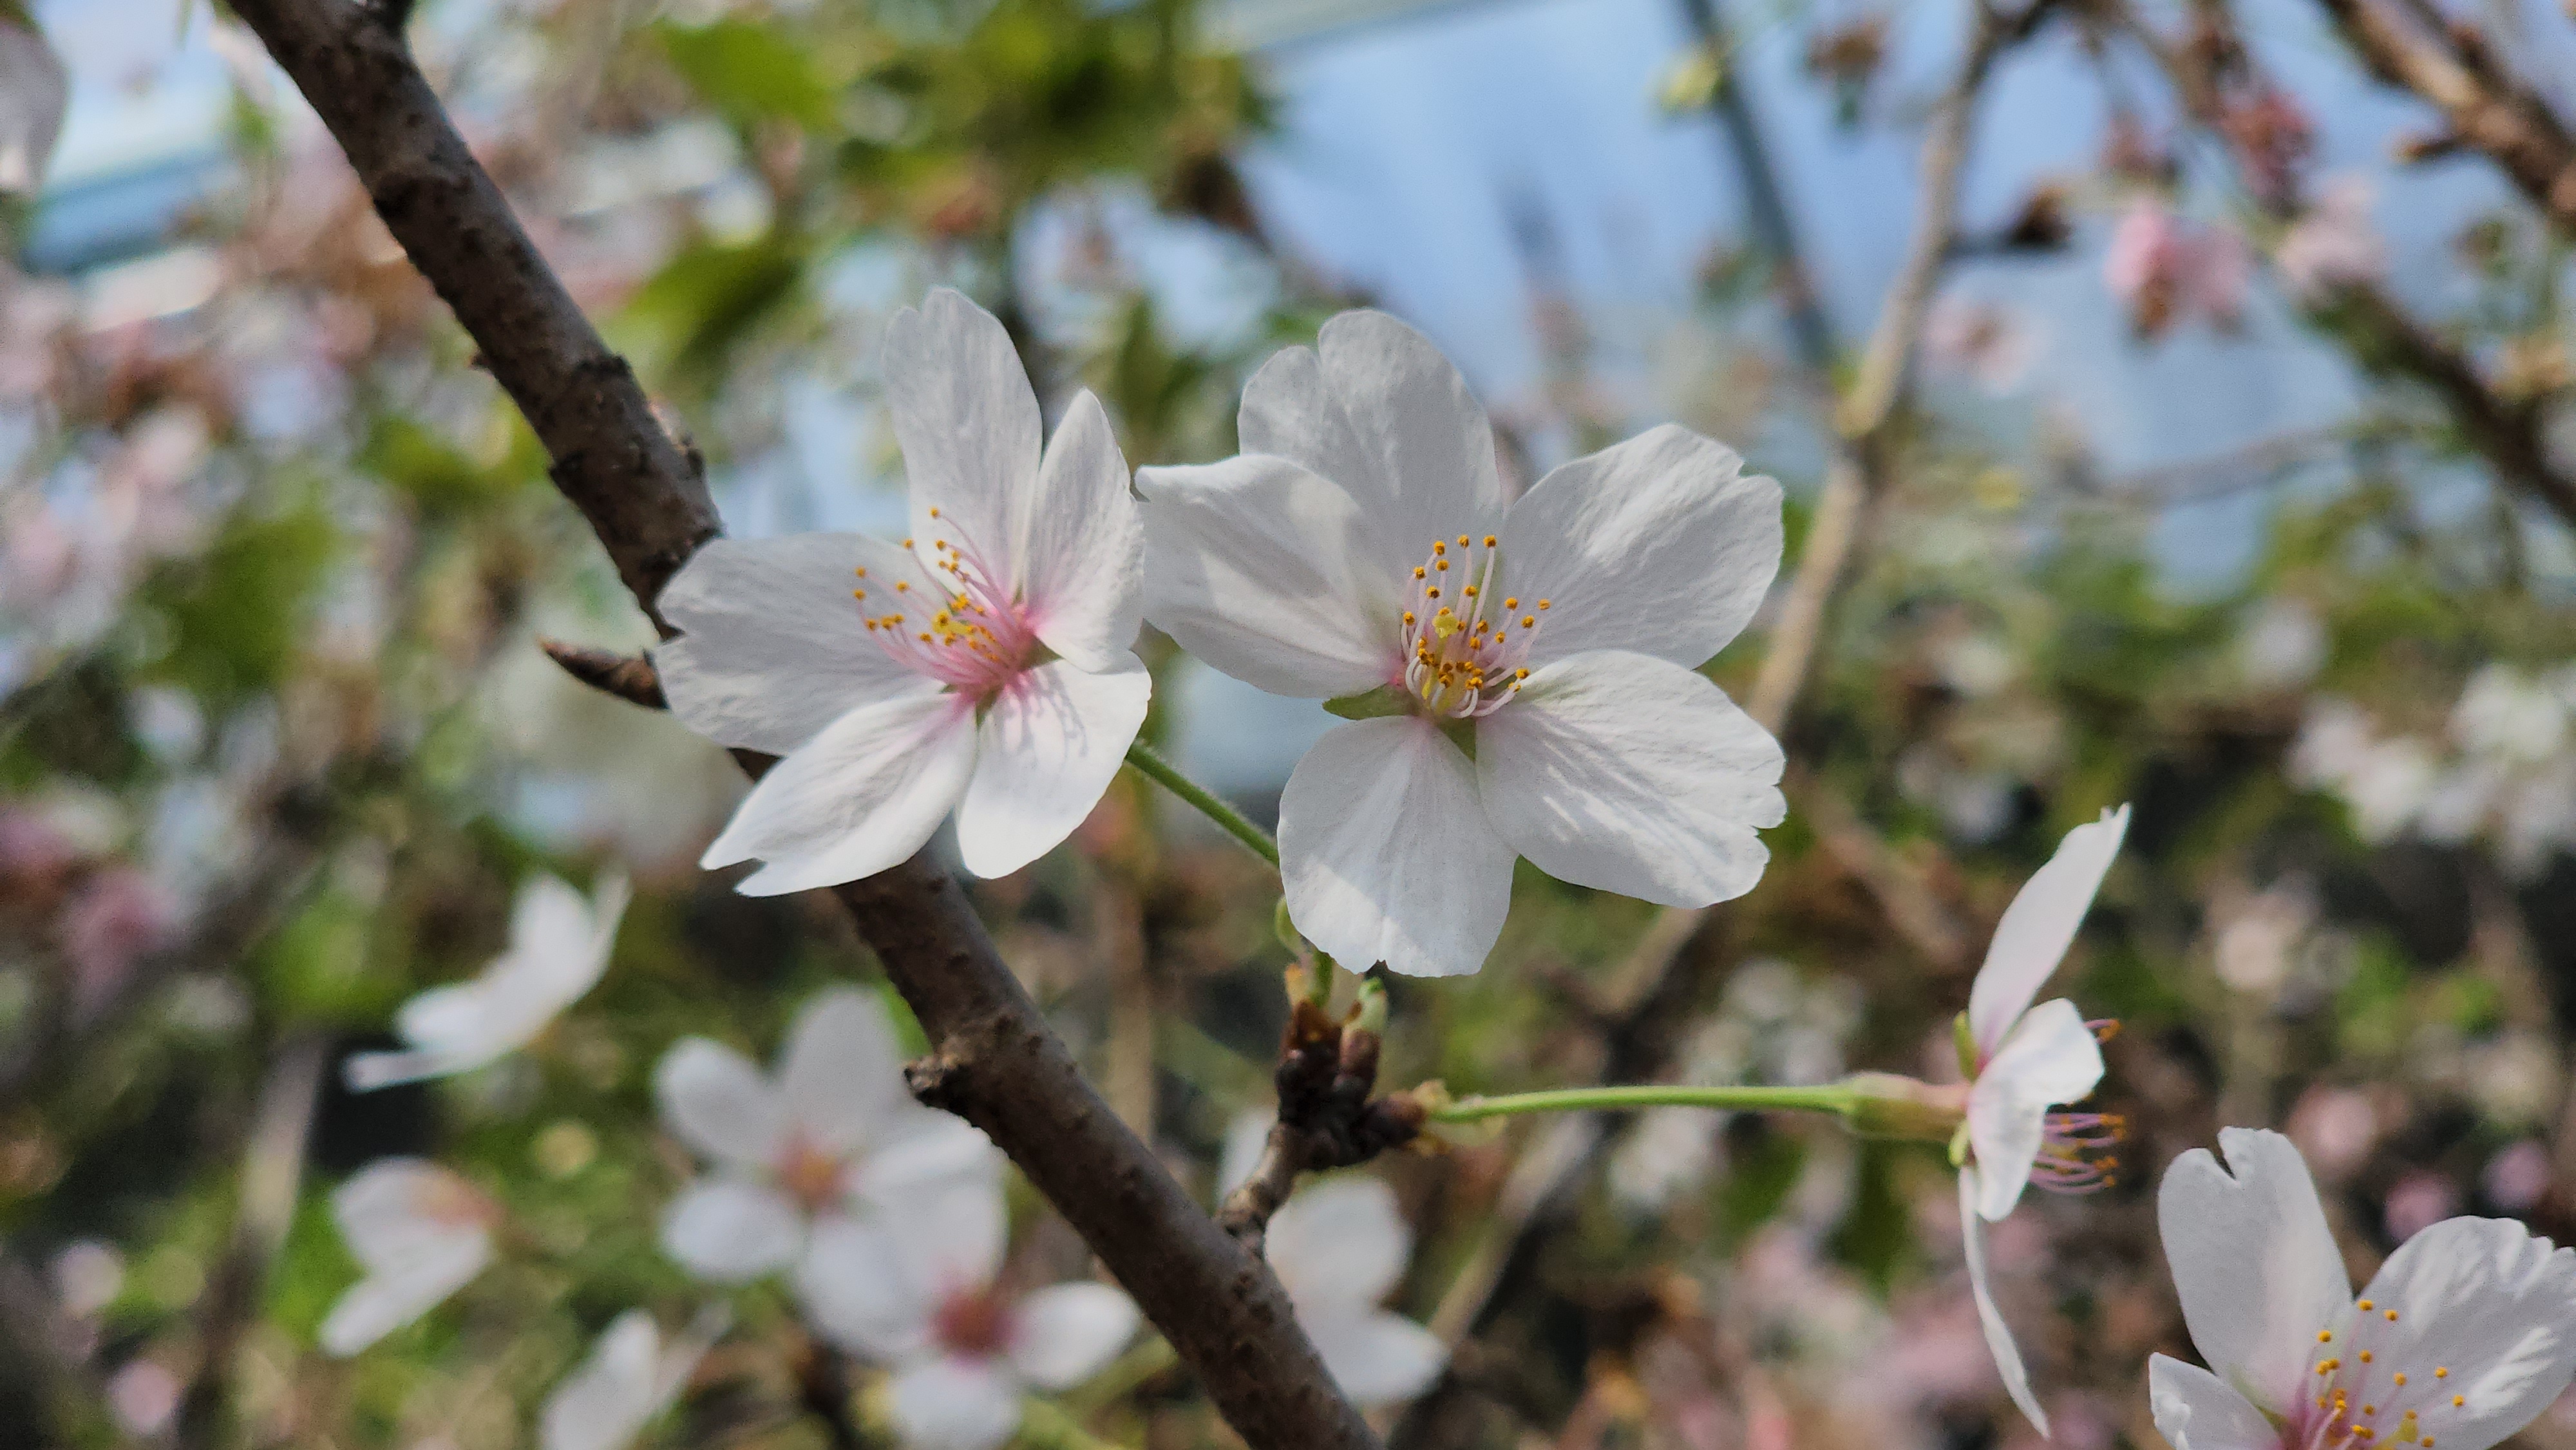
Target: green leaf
435, 473
750, 73
691, 313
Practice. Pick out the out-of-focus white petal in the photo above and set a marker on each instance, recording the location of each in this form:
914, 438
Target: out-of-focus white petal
952, 1403
842, 1072
604, 1403
2050, 1058
944, 1164
1247, 1137
1256, 566
950, 1220
1386, 853
857, 799
420, 1232
715, 1100
1377, 1358
968, 423
1048, 746
34, 89
2484, 1299
2253, 1262
862, 1293
1659, 545
386, 1301
1429, 453
1341, 1244
1999, 1340
727, 1231
1065, 1334
1632, 774
2195, 1410
2039, 926
1083, 544
773, 647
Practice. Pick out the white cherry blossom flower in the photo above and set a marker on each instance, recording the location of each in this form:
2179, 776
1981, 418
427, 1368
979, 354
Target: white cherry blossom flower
984, 665
631, 1377
420, 1233
34, 89
914, 1289
1529, 666
1338, 1248
833, 1136
2463, 1337
559, 946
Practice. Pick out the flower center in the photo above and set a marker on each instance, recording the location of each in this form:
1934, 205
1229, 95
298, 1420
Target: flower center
956, 622
810, 1175
974, 1324
2361, 1399
1465, 651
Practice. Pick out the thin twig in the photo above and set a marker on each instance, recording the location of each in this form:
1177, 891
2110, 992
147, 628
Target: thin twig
631, 678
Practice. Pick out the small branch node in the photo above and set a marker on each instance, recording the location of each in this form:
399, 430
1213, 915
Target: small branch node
631, 678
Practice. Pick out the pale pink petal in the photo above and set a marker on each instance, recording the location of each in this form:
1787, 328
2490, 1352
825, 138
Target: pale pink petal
1376, 1358
1426, 452
842, 1071
727, 1231
2039, 926
34, 89
559, 946
1083, 544
1999, 1340
2484, 1299
859, 798
603, 1404
951, 1403
2195, 1410
861, 1292
773, 647
2253, 1262
1340, 1244
1632, 774
387, 1299
398, 1209
1386, 854
2050, 1058
1049, 744
1063, 1335
719, 1103
1256, 566
968, 424
1660, 545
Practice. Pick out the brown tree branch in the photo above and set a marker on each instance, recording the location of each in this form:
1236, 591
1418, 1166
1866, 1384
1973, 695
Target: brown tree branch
994, 1062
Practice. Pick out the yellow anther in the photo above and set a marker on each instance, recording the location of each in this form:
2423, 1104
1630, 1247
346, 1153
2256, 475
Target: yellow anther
1417, 571
2458, 1400
2325, 1336
863, 571
1435, 591
2365, 1356
925, 639
934, 511
1520, 674
2399, 1377
903, 586
1511, 603
2441, 1371
2370, 1409
2365, 1306
1444, 566
907, 543
1439, 546
858, 594
1489, 541
1529, 621
1408, 616
1462, 541
2325, 1366
2392, 1316
1542, 604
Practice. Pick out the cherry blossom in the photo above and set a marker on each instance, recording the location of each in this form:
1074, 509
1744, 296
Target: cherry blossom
2335, 244
1527, 669
631, 1377
833, 1137
2463, 1337
420, 1233
2164, 270
982, 666
559, 946
1338, 1248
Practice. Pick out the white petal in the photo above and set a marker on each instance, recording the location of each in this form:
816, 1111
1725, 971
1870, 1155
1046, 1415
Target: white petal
1377, 1358
559, 946
1257, 566
1341, 1244
1428, 450
1289, 412
968, 423
2195, 1410
716, 1101
2484, 1299
1063, 1335
1247, 1137
862, 1293
34, 89
604, 1403
949, 1217
2253, 1262
387, 1299
2040, 925
1659, 545
727, 1231
1999, 1340
396, 1210
773, 647
842, 1071
1386, 854
1632, 774
951, 1403
1048, 746
859, 798
1082, 575
931, 1155
2050, 1058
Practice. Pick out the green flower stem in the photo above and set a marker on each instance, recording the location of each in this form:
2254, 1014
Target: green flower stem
1144, 758
1043, 1426
1837, 1099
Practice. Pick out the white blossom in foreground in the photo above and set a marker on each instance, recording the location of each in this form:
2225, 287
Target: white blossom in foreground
1529, 668
2464, 1336
420, 1233
33, 92
984, 665
630, 1378
1338, 1248
834, 1136
914, 1289
559, 946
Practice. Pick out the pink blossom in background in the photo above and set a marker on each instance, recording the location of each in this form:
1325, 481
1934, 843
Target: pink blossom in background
2419, 1201
2165, 270
2335, 1129
143, 1397
2335, 244
2272, 137
118, 917
1989, 343
2517, 1176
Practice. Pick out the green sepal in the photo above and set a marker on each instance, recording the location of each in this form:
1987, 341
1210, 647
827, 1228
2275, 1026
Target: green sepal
1370, 704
